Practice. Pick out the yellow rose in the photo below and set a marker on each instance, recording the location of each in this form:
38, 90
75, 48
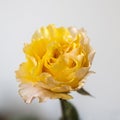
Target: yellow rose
57, 62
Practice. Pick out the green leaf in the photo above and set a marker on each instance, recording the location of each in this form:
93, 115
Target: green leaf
82, 91
69, 111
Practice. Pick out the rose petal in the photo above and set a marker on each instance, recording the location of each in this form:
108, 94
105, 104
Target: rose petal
82, 82
91, 55
29, 92
48, 82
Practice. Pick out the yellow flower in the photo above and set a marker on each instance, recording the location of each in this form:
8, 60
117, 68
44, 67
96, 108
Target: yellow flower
57, 62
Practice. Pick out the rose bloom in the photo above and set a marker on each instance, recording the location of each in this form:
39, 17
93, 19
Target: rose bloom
57, 62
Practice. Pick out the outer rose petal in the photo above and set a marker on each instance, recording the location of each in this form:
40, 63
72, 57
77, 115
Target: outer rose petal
89, 48
81, 83
83, 72
85, 42
29, 91
91, 55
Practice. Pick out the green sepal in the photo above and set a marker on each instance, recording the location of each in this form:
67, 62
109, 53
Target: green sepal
82, 91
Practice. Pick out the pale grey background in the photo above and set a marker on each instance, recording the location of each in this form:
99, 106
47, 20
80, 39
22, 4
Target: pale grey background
101, 18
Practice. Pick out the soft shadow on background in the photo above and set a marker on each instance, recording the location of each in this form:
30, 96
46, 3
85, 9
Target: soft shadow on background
101, 19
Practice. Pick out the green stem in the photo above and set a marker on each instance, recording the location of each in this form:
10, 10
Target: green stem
63, 109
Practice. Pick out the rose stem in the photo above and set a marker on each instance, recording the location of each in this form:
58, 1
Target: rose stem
63, 109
